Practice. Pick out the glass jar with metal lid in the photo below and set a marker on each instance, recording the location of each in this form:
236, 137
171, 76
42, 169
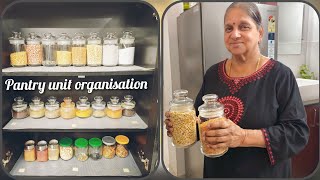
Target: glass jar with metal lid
34, 50
49, 50
110, 50
66, 148
95, 148
53, 150
67, 110
18, 54
52, 108
83, 107
98, 106
126, 49
64, 50
42, 151
79, 50
114, 109
19, 108
109, 147
128, 106
29, 153
122, 149
36, 108
81, 149
94, 50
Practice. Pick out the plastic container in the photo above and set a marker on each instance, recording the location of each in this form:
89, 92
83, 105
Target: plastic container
109, 147
36, 108
81, 149
67, 110
83, 108
52, 108
110, 50
34, 50
94, 50
126, 49
128, 106
42, 151
95, 148
29, 153
19, 108
79, 50
98, 106
114, 109
64, 50
49, 50
18, 54
66, 148
122, 149
53, 150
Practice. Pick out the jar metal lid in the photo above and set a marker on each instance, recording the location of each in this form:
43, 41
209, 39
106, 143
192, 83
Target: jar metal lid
29, 144
121, 139
53, 143
108, 140
42, 145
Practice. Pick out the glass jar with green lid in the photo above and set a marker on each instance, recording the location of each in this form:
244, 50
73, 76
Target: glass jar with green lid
81, 149
66, 148
95, 148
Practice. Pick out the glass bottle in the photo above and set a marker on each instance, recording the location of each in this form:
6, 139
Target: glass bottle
81, 149
34, 50
52, 108
94, 50
29, 153
98, 106
128, 106
64, 50
95, 149
79, 50
110, 50
18, 54
66, 148
19, 108
210, 111
183, 119
126, 49
53, 150
109, 147
42, 151
67, 110
36, 108
122, 150
49, 50
83, 108
114, 109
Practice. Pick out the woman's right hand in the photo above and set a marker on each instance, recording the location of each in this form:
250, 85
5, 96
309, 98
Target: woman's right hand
168, 124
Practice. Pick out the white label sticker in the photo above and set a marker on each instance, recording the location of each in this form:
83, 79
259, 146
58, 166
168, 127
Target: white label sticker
126, 170
81, 77
22, 170
13, 124
75, 169
74, 125
134, 122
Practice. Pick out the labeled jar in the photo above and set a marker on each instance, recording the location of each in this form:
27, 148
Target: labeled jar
36, 109
128, 106
42, 151
98, 106
94, 50
19, 108
34, 50
81, 149
183, 119
53, 150
109, 147
49, 50
64, 50
68, 109
29, 152
110, 50
52, 108
79, 50
126, 49
122, 146
95, 148
18, 54
66, 148
114, 109
209, 112
83, 108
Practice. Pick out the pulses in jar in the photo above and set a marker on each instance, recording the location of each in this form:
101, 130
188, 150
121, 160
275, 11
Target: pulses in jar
64, 58
79, 56
66, 153
18, 59
109, 151
94, 54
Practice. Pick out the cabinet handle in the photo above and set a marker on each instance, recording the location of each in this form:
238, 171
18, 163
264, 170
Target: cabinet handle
316, 121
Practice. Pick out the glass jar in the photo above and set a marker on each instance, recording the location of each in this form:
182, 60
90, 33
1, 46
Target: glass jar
210, 111
29, 153
42, 151
126, 49
110, 50
128, 106
183, 119
67, 110
64, 50
95, 149
53, 150
98, 106
94, 50
52, 108
109, 147
83, 108
122, 146
66, 148
79, 50
18, 54
81, 149
36, 109
114, 109
49, 50
19, 108
34, 50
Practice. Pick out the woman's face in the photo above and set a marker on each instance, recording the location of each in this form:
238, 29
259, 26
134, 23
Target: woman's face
241, 35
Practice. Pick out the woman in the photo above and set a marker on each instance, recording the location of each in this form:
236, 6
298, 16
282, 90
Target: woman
266, 123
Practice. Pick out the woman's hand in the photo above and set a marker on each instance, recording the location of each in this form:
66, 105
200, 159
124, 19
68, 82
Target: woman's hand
168, 124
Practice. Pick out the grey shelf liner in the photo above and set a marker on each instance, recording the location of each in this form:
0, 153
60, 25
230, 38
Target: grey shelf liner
103, 167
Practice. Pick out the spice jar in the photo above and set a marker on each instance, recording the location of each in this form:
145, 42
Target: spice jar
128, 106
126, 49
81, 149
109, 147
122, 143
18, 54
83, 108
66, 149
49, 50
67, 110
42, 151
64, 50
183, 119
114, 109
19, 108
36, 108
98, 106
53, 150
210, 111
52, 108
29, 153
95, 149
34, 50
110, 50
94, 50
79, 50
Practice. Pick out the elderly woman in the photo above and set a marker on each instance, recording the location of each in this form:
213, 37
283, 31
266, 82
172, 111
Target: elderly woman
266, 123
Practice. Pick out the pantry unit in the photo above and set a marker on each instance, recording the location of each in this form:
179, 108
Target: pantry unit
132, 137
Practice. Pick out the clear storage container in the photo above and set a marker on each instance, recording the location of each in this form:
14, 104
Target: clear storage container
49, 50
83, 108
18, 54
29, 153
122, 149
126, 49
110, 50
19, 108
42, 151
81, 149
95, 149
94, 50
53, 150
109, 147
64, 50
34, 50
79, 50
114, 109
67, 110
128, 106
98, 106
36, 109
52, 108
66, 148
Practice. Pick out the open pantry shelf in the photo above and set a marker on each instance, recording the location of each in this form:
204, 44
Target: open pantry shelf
103, 167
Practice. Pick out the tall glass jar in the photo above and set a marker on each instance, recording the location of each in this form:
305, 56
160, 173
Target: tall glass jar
114, 109
67, 110
29, 153
126, 49
52, 108
34, 50
122, 149
94, 50
210, 111
109, 147
49, 50
183, 119
95, 149
81, 149
98, 106
128, 106
18, 54
53, 150
66, 148
42, 151
64, 50
110, 50
36, 108
79, 50
83, 108
19, 108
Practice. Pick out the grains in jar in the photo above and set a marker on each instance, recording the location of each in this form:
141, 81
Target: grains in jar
35, 54
18, 59
109, 148
29, 151
18, 55
42, 151
66, 148
122, 149
64, 58
94, 55
53, 150
79, 56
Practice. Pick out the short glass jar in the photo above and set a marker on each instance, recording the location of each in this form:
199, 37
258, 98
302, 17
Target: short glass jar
42, 151
94, 50
49, 50
81, 149
79, 50
19, 108
128, 106
114, 109
64, 50
109, 147
53, 150
83, 108
66, 148
36, 109
18, 54
95, 148
34, 50
67, 110
29, 153
98, 106
122, 149
52, 108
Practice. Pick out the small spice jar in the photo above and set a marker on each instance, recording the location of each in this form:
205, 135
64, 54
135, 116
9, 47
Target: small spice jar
64, 50
79, 50
94, 50
42, 151
36, 108
109, 147
98, 106
110, 50
49, 50
83, 108
95, 148
53, 150
52, 108
114, 109
34, 50
122, 143
81, 149
66, 148
18, 54
67, 110
128, 106
19, 108
29, 153
126, 49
